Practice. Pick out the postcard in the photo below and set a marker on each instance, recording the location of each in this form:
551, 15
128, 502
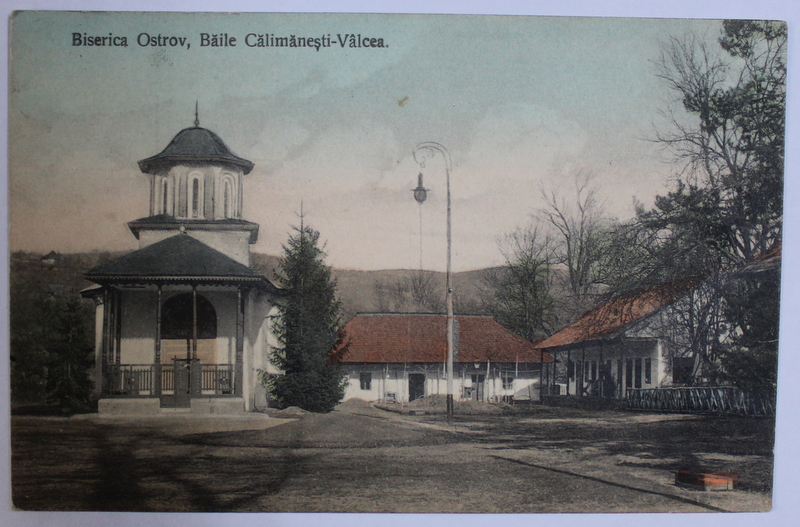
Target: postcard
276, 262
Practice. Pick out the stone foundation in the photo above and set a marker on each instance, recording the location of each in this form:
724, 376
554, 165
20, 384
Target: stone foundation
151, 406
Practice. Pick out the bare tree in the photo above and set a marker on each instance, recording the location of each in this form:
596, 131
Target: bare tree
518, 294
415, 293
581, 232
727, 139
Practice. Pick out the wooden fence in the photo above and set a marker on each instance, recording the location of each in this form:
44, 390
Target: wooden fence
716, 400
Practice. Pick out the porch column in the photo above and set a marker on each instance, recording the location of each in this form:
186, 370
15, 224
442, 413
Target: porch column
118, 326
569, 365
194, 322
583, 370
195, 372
157, 355
600, 368
238, 366
106, 338
541, 375
621, 372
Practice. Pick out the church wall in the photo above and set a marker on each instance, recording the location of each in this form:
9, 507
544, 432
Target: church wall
138, 327
258, 338
234, 244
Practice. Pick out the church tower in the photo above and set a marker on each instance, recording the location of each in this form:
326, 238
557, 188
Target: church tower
184, 321
196, 187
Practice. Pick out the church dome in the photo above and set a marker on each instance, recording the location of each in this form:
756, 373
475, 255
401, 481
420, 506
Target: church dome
195, 145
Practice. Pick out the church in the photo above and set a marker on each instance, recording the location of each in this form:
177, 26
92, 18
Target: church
184, 322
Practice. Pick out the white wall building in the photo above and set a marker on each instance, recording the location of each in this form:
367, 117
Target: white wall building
401, 357
183, 322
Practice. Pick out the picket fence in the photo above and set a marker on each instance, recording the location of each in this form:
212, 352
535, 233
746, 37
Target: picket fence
715, 400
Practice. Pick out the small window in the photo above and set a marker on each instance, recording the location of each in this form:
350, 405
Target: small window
629, 373
648, 371
366, 380
594, 371
508, 380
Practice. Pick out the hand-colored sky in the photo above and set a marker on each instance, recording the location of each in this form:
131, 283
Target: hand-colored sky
521, 103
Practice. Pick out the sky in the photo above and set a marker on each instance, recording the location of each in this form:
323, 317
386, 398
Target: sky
522, 104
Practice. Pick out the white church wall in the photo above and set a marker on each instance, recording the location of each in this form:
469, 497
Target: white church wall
138, 328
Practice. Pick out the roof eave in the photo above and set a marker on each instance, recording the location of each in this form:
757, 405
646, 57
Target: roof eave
150, 164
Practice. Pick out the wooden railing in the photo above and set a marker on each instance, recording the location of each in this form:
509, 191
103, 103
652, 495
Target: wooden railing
136, 380
129, 380
715, 400
216, 379
167, 380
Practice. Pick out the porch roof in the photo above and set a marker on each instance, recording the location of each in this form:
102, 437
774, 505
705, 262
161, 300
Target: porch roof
606, 320
177, 258
420, 338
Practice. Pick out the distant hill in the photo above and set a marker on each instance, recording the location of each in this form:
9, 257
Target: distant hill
382, 291
359, 291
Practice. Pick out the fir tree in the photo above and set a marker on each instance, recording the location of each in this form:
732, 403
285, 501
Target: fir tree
307, 328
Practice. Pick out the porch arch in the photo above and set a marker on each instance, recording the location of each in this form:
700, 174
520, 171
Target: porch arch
177, 328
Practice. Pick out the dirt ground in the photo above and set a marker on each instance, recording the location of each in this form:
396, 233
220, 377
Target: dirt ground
360, 458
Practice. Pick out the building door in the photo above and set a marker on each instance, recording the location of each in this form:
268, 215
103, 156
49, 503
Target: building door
478, 381
186, 378
416, 386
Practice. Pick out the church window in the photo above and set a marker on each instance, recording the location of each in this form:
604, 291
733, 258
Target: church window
195, 198
227, 195
195, 195
164, 194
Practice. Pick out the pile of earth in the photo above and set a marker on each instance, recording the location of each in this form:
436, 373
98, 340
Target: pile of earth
437, 404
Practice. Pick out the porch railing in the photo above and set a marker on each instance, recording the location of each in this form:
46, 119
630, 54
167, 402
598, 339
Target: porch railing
716, 400
136, 380
216, 379
129, 380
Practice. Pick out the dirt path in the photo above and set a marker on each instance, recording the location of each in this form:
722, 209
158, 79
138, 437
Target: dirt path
362, 459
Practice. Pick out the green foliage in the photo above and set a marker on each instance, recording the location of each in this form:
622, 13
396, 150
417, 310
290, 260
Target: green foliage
731, 143
307, 328
750, 361
51, 348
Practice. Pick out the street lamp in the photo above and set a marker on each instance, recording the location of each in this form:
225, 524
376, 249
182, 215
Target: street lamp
423, 152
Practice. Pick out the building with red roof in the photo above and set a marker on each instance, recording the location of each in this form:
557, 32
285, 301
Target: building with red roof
401, 357
652, 337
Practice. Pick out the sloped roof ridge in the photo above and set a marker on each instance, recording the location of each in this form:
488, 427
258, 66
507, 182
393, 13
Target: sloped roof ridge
179, 255
195, 144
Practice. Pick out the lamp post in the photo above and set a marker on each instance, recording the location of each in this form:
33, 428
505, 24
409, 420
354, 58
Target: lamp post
423, 152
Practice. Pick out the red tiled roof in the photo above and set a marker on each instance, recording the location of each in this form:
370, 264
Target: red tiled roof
398, 338
614, 315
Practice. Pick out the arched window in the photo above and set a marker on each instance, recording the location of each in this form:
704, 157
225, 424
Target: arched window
164, 195
227, 199
195, 197
176, 318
